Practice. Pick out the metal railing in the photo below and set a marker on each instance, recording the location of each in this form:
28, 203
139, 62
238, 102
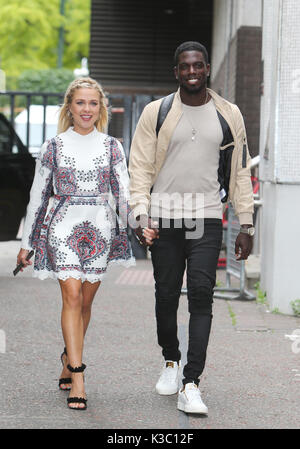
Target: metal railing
233, 267
28, 101
124, 110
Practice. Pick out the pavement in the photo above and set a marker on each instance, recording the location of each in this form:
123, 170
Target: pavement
251, 379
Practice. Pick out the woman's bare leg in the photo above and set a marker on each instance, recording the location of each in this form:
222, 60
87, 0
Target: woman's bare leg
73, 331
89, 291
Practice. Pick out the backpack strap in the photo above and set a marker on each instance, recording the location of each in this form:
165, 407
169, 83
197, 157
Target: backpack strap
164, 108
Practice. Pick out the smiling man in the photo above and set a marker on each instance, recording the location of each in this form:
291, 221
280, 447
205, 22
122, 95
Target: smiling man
189, 155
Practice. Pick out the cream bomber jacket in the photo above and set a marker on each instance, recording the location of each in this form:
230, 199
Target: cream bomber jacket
148, 152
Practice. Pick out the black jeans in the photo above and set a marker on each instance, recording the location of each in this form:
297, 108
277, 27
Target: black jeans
171, 254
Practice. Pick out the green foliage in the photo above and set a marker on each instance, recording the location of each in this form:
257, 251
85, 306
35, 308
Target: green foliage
50, 80
77, 32
28, 29
231, 314
29, 34
261, 296
296, 307
275, 311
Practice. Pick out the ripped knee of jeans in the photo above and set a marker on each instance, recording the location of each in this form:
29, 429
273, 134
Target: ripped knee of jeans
200, 299
166, 299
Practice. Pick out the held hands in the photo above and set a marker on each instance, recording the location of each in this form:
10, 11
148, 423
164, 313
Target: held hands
21, 258
243, 246
147, 231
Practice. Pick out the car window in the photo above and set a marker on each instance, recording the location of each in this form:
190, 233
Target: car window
8, 142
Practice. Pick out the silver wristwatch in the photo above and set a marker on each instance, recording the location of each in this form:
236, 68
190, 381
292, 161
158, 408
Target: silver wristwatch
250, 231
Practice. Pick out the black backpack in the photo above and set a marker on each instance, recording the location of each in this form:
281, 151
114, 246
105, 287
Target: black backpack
164, 108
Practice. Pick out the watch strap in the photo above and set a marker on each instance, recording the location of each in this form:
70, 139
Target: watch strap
249, 231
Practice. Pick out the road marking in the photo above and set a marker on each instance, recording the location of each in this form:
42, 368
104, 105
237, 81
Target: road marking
138, 277
135, 277
2, 342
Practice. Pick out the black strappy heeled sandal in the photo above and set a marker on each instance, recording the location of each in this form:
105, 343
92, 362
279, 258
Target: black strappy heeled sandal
64, 380
77, 400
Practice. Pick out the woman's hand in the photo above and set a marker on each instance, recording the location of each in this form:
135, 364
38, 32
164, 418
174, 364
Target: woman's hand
147, 230
21, 258
150, 234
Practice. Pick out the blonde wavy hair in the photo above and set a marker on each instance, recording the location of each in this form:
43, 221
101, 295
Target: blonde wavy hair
65, 118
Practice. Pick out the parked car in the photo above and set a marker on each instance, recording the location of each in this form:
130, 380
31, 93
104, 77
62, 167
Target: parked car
16, 174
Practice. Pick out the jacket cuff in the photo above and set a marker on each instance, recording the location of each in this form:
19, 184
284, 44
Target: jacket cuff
140, 209
245, 218
26, 246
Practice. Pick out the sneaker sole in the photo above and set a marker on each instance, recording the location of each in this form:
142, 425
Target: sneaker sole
187, 409
168, 392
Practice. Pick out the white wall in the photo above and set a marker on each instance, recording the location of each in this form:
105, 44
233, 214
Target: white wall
280, 104
280, 245
280, 172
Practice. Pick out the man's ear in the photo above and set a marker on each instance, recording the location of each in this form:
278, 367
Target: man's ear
176, 72
208, 69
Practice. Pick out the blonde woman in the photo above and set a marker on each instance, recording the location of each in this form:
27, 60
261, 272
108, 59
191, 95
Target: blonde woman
78, 235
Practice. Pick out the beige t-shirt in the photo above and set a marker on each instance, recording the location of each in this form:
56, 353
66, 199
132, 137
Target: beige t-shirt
187, 185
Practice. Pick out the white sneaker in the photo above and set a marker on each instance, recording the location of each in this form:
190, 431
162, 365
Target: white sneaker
189, 400
168, 383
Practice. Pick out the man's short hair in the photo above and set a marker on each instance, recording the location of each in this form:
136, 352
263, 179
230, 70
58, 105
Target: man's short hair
190, 46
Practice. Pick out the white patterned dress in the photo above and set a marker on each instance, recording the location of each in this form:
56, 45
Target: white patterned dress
77, 215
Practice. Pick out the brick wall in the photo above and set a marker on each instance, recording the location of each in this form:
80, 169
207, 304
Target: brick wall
239, 81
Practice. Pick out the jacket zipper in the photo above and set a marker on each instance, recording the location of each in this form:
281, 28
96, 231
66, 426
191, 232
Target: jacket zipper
244, 160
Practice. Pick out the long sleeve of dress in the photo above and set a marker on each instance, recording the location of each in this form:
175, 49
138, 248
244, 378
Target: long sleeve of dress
39, 196
119, 184
119, 181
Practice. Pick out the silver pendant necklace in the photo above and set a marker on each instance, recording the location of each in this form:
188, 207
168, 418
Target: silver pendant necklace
194, 131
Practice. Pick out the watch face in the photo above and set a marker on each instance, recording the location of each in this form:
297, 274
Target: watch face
251, 231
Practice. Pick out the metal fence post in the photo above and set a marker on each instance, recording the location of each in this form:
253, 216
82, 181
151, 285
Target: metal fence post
127, 120
138, 105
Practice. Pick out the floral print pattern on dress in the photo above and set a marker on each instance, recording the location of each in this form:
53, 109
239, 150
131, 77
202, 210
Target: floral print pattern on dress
86, 180
87, 242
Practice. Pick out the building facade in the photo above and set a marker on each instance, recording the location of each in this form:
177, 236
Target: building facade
133, 41
236, 59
